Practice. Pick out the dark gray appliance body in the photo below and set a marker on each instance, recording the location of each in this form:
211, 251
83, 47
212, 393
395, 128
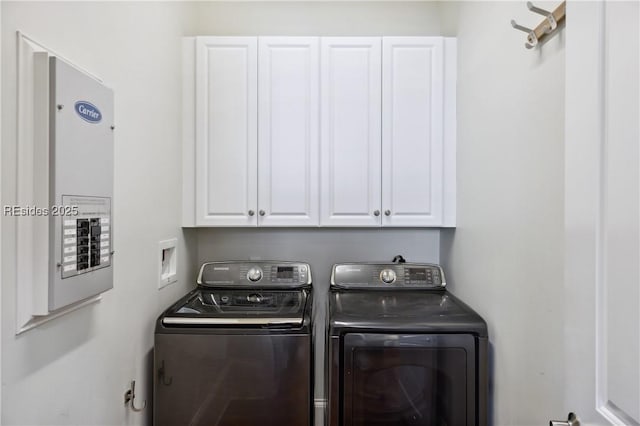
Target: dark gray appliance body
237, 353
405, 352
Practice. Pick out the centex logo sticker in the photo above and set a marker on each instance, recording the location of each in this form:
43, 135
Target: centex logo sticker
88, 112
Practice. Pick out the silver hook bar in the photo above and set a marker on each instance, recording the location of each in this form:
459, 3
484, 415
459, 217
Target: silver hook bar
550, 19
532, 40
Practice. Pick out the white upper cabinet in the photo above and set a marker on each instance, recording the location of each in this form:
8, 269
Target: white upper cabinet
412, 131
226, 131
319, 131
288, 133
351, 132
388, 131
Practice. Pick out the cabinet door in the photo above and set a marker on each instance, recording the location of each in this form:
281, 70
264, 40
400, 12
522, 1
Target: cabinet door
226, 131
288, 134
412, 131
350, 131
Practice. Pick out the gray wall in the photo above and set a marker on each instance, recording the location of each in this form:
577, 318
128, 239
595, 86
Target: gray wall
321, 248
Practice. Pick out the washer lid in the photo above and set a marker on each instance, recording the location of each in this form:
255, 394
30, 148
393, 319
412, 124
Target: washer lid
402, 311
233, 307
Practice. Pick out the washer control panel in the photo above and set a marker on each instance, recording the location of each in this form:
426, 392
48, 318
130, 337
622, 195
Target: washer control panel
261, 273
380, 276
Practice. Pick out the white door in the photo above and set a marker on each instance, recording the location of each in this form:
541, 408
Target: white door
412, 131
350, 131
602, 214
288, 133
226, 131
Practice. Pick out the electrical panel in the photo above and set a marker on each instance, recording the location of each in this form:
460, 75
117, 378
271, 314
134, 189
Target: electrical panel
80, 185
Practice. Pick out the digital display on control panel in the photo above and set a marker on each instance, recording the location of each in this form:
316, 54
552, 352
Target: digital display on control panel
417, 274
284, 272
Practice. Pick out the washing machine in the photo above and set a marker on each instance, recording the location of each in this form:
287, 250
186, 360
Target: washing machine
402, 350
237, 350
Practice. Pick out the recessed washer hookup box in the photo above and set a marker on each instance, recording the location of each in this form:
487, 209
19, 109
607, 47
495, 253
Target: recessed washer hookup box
81, 184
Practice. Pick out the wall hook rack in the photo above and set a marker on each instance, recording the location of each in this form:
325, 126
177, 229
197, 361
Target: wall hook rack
130, 396
546, 28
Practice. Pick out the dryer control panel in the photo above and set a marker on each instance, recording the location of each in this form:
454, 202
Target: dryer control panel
388, 276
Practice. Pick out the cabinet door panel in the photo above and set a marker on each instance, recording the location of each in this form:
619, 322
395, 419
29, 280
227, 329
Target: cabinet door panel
412, 123
288, 119
350, 137
226, 135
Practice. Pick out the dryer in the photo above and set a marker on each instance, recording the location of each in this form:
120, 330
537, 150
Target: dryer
402, 350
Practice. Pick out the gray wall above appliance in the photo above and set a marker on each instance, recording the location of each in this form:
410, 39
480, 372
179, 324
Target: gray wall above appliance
321, 248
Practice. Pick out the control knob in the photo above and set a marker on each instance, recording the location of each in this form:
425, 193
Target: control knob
388, 276
254, 274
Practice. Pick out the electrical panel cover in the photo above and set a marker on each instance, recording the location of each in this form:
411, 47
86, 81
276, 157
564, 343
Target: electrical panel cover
81, 185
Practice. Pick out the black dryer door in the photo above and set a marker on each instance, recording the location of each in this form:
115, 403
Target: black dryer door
409, 379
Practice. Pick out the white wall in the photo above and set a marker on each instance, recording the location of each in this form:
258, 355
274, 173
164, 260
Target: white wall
505, 258
75, 369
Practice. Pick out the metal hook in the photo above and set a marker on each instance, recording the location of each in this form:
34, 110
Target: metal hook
532, 40
130, 396
162, 376
550, 18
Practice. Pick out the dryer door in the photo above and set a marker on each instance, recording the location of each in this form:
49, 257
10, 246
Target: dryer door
416, 379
